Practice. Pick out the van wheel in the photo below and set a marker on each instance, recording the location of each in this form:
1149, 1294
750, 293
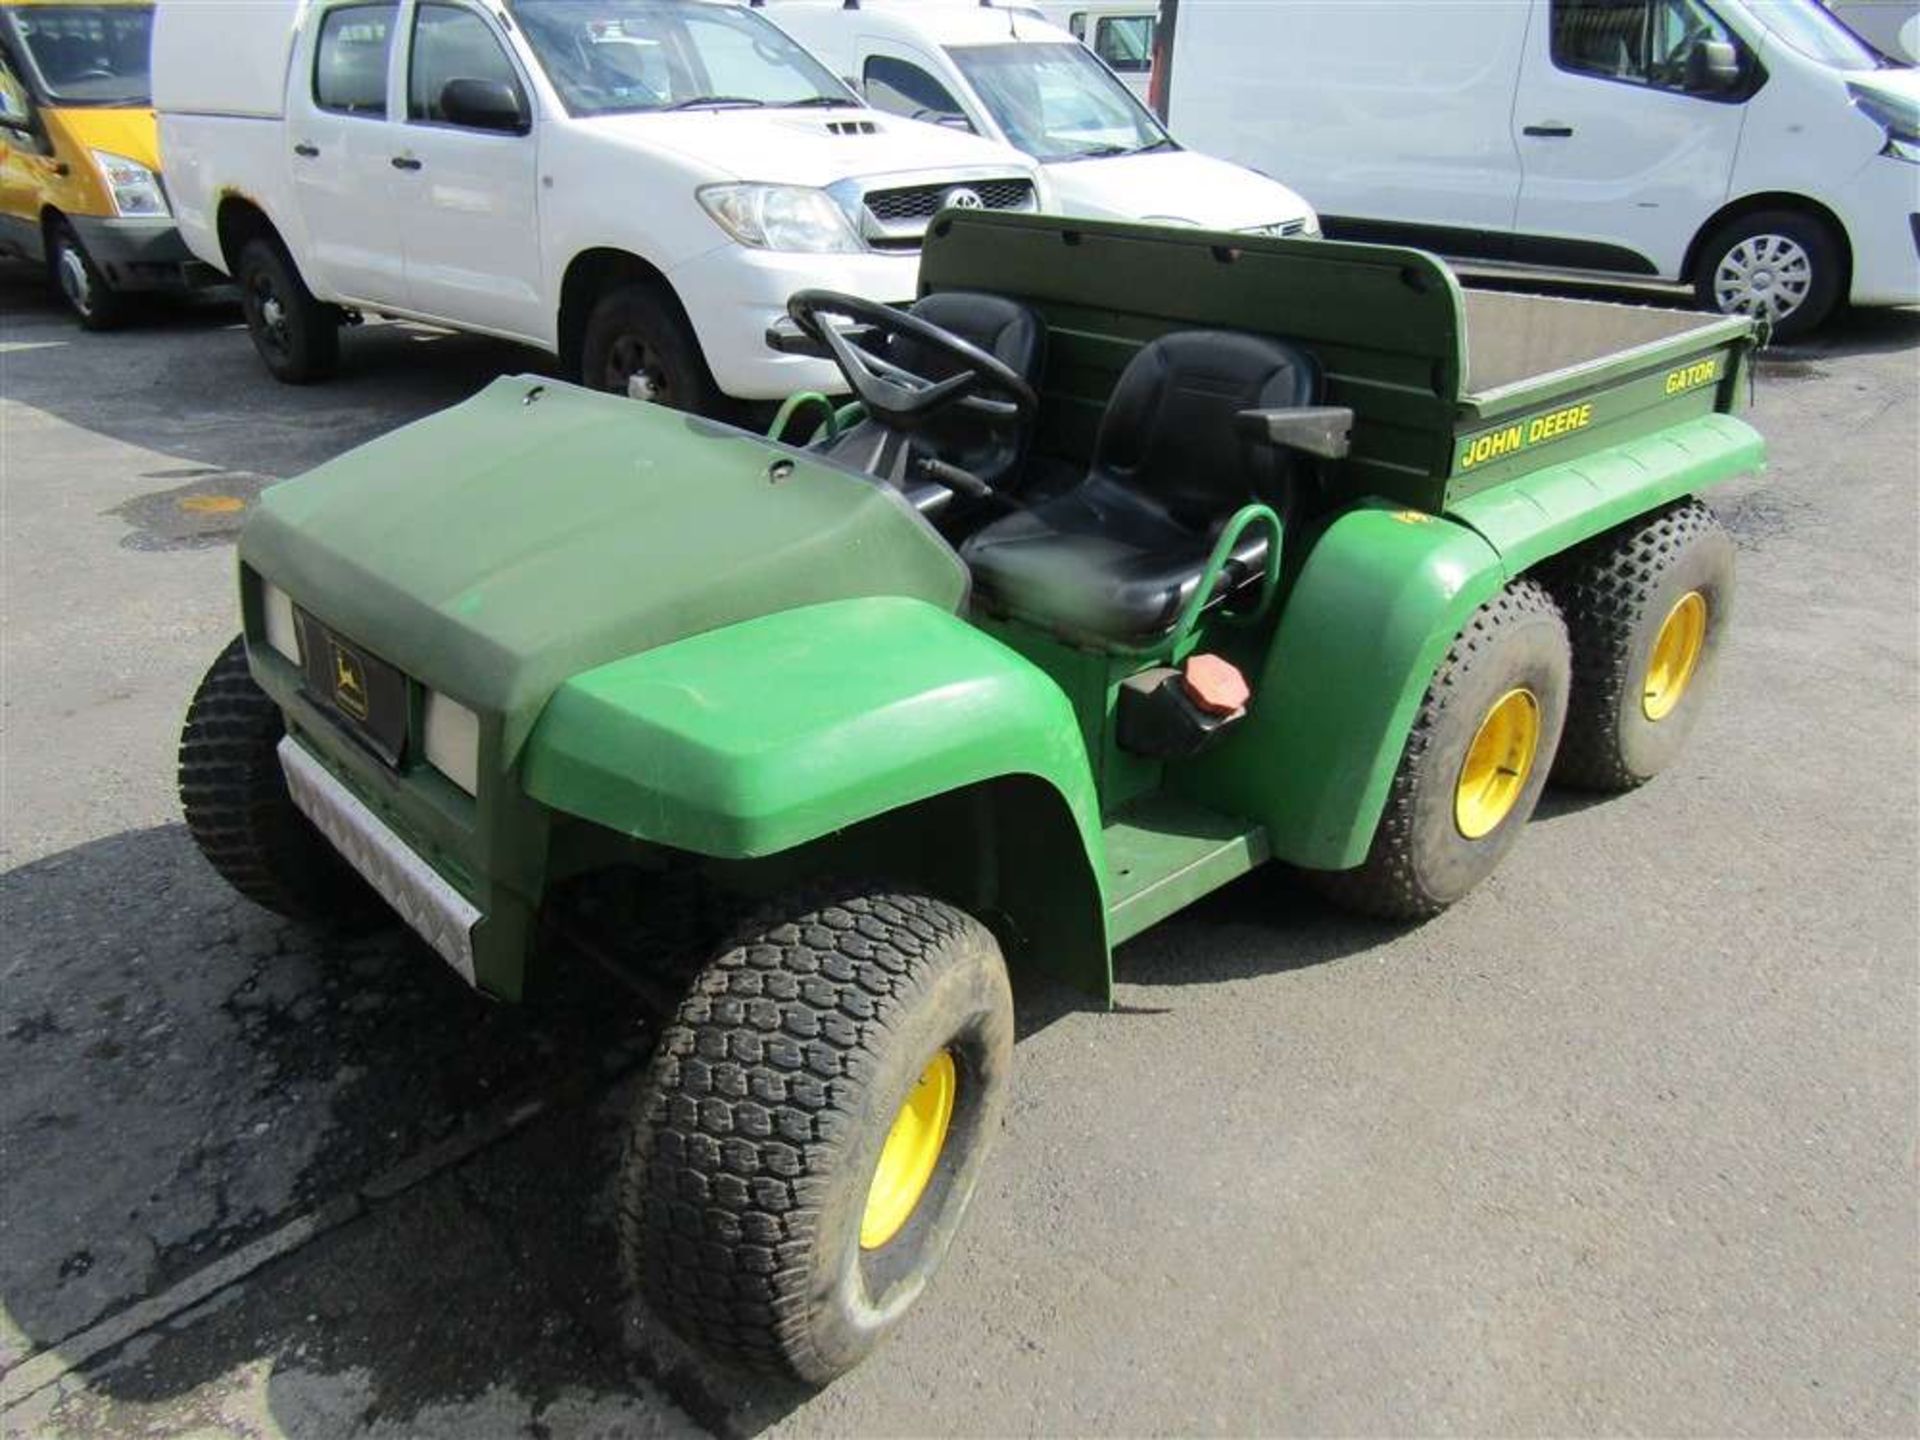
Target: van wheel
96, 303
1778, 265
1474, 765
1647, 607
298, 337
234, 795
638, 345
814, 1124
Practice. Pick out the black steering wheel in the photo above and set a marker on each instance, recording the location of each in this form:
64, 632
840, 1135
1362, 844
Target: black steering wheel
896, 397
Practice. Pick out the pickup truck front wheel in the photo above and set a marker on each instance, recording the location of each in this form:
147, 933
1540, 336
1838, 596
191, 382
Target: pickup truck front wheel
239, 813
813, 1126
297, 337
1647, 607
638, 345
1474, 765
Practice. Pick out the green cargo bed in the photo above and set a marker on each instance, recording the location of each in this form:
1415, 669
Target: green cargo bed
1452, 392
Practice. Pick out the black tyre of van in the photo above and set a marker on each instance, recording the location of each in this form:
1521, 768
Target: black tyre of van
1780, 265
96, 304
297, 336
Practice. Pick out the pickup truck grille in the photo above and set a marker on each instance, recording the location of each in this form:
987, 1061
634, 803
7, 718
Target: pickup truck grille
923, 202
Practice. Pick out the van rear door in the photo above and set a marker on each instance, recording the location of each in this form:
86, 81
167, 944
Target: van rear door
1626, 143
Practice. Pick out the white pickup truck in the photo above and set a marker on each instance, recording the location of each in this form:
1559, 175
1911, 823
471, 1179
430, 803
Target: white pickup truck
634, 185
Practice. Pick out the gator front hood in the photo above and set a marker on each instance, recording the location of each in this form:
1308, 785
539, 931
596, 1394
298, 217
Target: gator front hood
497, 549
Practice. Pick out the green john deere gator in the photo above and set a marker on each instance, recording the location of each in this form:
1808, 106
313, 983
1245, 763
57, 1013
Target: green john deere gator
1139, 558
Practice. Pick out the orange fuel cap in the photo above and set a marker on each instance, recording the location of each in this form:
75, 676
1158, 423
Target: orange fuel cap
1214, 685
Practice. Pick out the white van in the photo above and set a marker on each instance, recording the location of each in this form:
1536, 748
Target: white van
1120, 32
1891, 26
635, 185
1754, 149
1000, 72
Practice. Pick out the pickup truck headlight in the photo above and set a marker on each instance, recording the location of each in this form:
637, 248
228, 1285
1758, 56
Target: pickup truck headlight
135, 189
453, 741
276, 612
1901, 121
781, 217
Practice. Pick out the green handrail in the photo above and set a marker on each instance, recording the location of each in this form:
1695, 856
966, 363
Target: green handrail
794, 404
1245, 516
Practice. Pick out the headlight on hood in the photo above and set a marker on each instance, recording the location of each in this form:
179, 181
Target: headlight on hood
135, 189
1899, 117
452, 735
781, 217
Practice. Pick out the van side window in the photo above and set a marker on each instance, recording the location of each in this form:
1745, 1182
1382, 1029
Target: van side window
350, 62
16, 112
1640, 42
450, 43
1125, 42
901, 88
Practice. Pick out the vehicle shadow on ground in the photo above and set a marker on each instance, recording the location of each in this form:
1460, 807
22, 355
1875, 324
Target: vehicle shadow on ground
1268, 922
183, 1073
223, 413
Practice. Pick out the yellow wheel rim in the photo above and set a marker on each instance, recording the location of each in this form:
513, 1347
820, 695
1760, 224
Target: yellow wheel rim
912, 1152
1497, 764
1676, 655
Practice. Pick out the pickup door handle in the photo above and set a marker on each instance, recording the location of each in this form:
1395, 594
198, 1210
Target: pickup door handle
405, 162
307, 152
1549, 131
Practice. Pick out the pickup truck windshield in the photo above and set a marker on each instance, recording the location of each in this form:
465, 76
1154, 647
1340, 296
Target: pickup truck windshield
1056, 102
1809, 29
87, 54
611, 57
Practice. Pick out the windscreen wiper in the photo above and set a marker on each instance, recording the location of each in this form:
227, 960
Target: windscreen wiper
695, 102
820, 102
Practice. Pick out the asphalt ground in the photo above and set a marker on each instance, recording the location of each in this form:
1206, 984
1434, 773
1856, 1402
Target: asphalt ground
1625, 1143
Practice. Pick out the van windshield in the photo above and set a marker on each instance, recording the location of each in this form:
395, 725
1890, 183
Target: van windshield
1056, 102
87, 54
612, 57
1808, 28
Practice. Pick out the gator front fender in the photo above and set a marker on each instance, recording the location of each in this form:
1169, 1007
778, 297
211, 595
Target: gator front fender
757, 738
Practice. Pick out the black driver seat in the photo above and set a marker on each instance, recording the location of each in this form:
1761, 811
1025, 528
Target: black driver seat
1010, 332
1113, 560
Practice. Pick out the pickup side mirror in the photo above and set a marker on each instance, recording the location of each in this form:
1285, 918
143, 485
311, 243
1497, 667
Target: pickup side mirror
484, 105
1713, 67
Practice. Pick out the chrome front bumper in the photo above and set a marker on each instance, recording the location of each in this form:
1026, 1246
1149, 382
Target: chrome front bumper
443, 916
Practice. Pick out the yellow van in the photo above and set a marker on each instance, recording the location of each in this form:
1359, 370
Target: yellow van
80, 187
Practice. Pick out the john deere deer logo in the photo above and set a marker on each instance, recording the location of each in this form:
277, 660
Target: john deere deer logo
349, 685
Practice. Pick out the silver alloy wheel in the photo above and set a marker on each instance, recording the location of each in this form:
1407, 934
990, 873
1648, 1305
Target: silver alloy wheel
75, 281
1766, 275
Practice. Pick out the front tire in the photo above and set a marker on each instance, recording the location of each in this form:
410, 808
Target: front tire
239, 813
1779, 265
296, 336
637, 344
95, 303
1474, 764
1647, 609
813, 1127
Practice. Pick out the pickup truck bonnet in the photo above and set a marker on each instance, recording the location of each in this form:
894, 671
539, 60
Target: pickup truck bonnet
805, 147
500, 547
